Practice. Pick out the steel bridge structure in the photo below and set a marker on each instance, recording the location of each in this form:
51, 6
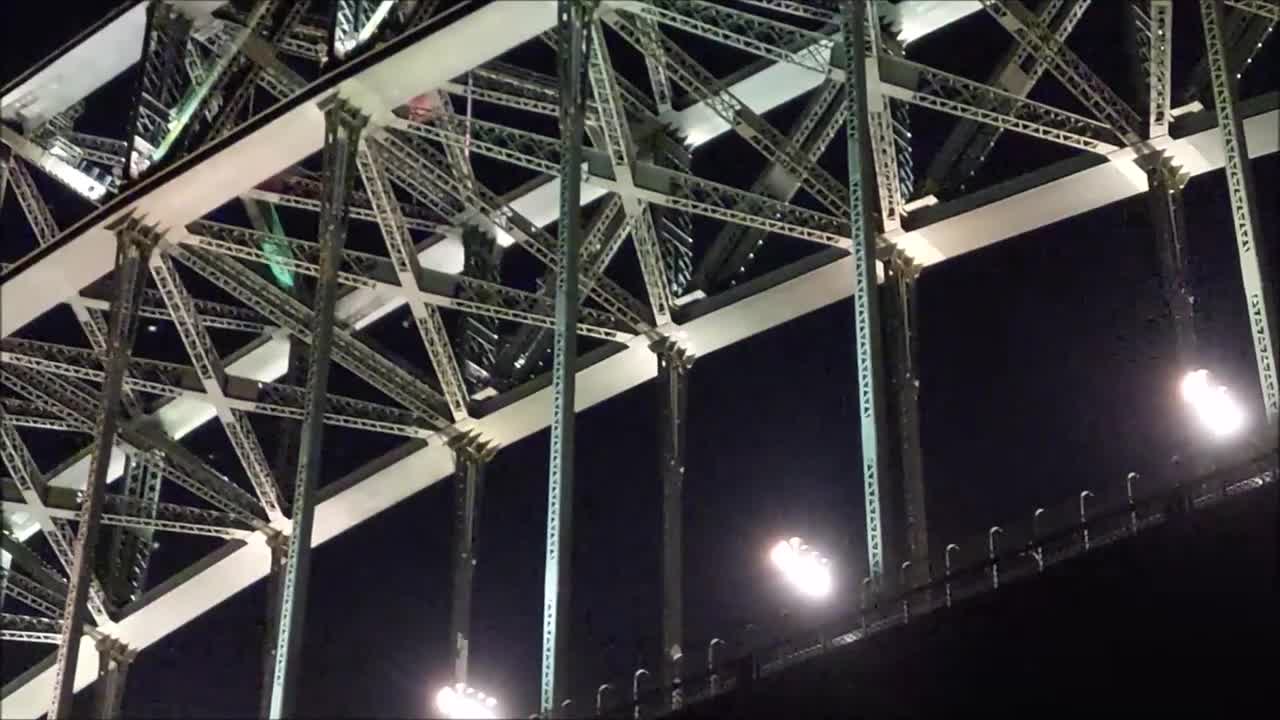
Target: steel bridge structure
407, 120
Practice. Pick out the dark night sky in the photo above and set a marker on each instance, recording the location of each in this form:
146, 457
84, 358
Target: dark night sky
1046, 369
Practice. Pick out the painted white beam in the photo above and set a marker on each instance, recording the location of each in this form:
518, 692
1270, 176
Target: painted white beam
87, 63
472, 40
173, 200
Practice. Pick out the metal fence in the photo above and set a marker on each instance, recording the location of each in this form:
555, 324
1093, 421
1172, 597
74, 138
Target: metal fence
1002, 555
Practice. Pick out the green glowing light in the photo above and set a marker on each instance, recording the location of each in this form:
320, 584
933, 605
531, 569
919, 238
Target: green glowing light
277, 252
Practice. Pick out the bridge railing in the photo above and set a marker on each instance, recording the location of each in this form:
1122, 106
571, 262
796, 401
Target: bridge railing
1014, 551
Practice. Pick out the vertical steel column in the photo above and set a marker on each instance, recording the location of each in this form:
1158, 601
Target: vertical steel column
113, 669
1164, 203
468, 488
278, 547
672, 386
572, 47
1258, 294
1150, 52
289, 434
135, 243
1150, 49
901, 352
343, 124
866, 312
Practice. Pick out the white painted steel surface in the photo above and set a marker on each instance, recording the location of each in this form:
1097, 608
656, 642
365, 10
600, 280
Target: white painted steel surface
78, 72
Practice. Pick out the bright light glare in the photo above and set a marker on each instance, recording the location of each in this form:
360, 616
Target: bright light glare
803, 567
459, 701
1217, 411
446, 256
503, 237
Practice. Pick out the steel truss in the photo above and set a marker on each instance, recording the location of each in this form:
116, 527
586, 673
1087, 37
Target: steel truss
1263, 8
1259, 300
968, 145
410, 172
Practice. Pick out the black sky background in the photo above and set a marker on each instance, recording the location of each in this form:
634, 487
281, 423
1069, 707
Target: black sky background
1046, 365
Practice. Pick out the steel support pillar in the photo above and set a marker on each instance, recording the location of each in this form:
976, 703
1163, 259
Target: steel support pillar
865, 300
572, 39
343, 124
1259, 300
471, 459
1168, 220
1150, 54
275, 591
289, 436
901, 353
672, 385
114, 659
135, 243
1164, 203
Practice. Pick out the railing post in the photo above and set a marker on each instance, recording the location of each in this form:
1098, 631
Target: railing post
635, 692
946, 558
600, 693
906, 591
714, 649
1084, 518
677, 668
1037, 550
991, 554
1129, 480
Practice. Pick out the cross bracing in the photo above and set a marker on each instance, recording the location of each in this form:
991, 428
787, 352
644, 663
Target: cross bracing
419, 190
